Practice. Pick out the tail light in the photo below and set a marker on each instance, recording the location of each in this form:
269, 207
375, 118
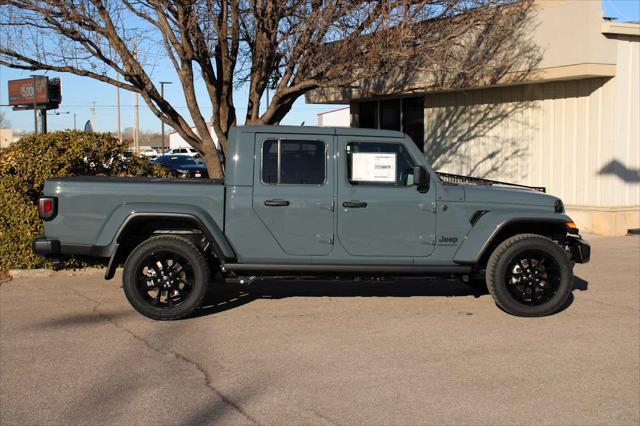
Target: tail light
47, 208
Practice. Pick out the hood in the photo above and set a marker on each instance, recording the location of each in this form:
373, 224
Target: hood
193, 167
508, 195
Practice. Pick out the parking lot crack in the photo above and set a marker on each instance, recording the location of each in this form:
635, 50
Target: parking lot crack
322, 416
168, 352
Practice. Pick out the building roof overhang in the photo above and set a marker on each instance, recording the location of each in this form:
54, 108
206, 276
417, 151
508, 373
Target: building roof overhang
543, 75
620, 28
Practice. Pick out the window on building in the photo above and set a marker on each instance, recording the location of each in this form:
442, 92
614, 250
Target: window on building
390, 114
375, 163
405, 114
368, 115
293, 162
413, 119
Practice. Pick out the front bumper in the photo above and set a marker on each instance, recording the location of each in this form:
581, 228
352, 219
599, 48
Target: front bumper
580, 249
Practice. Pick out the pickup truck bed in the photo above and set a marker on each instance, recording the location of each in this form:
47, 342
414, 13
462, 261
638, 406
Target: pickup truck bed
84, 201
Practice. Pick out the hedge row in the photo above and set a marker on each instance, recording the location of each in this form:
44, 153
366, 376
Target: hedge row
25, 166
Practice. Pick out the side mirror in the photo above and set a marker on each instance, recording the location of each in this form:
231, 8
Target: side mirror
421, 178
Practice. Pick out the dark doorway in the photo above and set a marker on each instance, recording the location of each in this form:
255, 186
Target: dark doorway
368, 115
404, 114
413, 119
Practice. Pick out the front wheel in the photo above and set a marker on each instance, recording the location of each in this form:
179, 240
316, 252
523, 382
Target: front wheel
166, 277
529, 275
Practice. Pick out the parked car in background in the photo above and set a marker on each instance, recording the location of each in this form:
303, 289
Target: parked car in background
183, 165
187, 151
150, 153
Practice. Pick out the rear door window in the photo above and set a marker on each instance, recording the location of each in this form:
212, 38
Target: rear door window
293, 162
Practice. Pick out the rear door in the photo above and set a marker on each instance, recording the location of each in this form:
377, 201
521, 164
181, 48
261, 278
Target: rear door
380, 212
293, 191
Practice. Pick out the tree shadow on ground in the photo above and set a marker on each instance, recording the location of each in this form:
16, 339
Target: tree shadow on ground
227, 296
82, 319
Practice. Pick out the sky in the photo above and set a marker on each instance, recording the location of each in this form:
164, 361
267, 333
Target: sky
78, 94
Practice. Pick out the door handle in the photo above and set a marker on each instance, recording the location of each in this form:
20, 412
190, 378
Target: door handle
354, 204
276, 203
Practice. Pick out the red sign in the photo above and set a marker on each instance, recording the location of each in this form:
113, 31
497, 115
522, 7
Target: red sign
21, 92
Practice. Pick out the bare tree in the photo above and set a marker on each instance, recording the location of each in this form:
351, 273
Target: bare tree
290, 46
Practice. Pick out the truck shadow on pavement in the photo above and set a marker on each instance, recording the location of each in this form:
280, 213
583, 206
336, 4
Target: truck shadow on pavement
230, 296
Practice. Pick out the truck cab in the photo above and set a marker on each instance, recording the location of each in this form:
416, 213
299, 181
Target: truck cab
329, 196
300, 201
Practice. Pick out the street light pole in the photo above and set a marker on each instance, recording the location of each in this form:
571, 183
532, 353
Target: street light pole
162, 83
66, 112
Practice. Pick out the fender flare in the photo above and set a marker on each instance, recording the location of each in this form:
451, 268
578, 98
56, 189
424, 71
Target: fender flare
480, 237
219, 243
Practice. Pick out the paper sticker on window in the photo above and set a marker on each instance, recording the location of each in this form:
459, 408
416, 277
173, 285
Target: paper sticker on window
373, 167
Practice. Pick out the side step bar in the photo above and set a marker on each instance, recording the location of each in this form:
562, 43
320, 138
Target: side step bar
327, 269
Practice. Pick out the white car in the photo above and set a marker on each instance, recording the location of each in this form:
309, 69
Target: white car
151, 153
188, 151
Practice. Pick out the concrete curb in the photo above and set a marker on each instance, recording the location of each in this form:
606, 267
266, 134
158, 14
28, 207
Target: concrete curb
40, 273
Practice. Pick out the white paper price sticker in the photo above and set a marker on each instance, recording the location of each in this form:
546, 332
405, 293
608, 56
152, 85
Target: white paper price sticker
373, 167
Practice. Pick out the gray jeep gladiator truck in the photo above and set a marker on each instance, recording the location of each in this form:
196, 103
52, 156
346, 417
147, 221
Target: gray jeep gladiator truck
319, 202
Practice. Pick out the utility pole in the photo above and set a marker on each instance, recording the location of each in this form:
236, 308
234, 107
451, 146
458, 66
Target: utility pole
74, 121
162, 83
118, 110
93, 116
136, 131
64, 112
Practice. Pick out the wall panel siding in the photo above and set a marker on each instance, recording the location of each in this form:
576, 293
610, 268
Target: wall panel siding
570, 136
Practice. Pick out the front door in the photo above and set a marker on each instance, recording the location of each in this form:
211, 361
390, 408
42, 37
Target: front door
380, 211
293, 191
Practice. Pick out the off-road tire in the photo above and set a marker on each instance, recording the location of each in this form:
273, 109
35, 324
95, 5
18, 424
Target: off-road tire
503, 255
188, 251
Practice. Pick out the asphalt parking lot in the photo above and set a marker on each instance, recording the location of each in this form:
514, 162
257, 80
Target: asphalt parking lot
407, 352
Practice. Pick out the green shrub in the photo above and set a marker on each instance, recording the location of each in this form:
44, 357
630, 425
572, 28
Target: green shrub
25, 166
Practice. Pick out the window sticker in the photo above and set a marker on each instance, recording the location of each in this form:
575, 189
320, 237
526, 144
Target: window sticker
373, 167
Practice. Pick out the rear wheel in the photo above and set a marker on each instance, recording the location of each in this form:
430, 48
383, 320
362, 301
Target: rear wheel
529, 275
166, 277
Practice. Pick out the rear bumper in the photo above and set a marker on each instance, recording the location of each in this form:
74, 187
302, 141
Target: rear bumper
580, 249
53, 248
45, 247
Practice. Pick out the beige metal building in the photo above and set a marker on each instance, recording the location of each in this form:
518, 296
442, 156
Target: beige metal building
572, 125
6, 138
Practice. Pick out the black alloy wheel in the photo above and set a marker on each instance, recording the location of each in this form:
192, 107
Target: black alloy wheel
166, 277
530, 275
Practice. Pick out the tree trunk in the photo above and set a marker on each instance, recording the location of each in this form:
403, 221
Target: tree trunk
214, 167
